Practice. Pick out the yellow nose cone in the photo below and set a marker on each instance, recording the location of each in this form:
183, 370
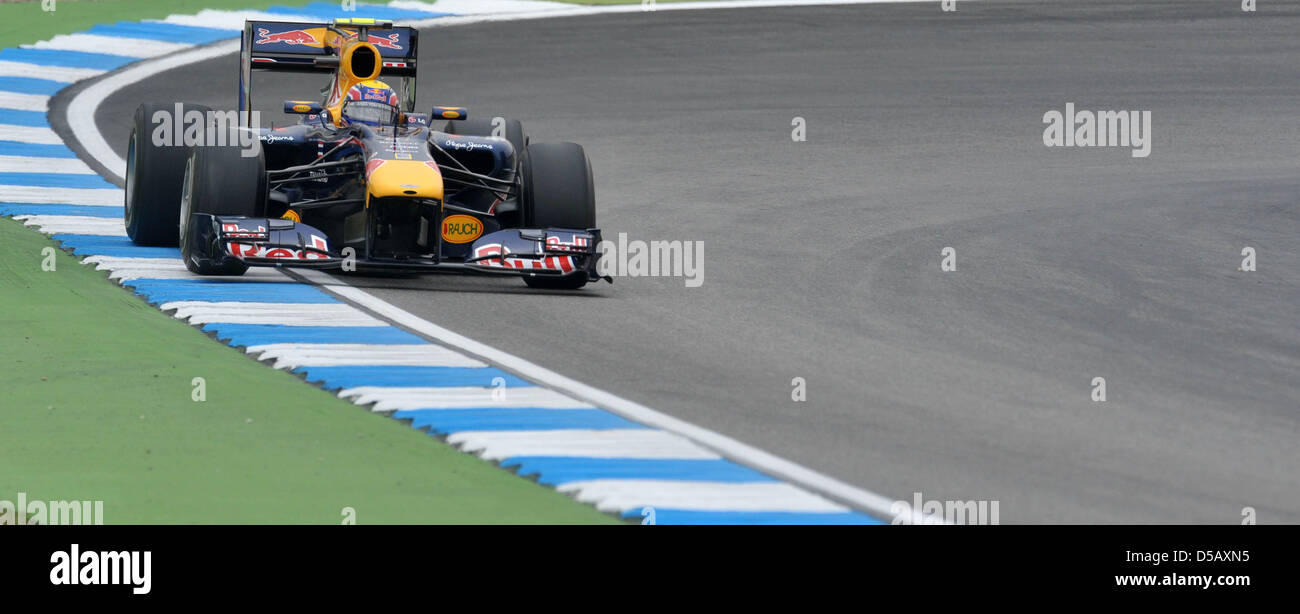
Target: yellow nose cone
408, 178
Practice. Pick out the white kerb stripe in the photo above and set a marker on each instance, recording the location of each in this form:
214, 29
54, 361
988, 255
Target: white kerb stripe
116, 262
287, 314
612, 443
169, 268
75, 224
180, 272
39, 135
110, 45
63, 74
229, 20
468, 7
622, 495
294, 355
61, 166
254, 275
94, 197
458, 397
23, 102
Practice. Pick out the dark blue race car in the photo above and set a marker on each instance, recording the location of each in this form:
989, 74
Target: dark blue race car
361, 182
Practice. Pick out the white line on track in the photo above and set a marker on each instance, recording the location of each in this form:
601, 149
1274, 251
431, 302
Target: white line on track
726, 446
80, 115
81, 111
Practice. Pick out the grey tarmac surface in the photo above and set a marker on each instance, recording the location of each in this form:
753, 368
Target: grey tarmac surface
822, 258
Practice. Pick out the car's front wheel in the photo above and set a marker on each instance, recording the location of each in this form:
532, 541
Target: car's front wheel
559, 193
220, 181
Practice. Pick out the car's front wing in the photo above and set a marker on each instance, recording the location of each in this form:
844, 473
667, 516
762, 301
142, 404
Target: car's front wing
272, 242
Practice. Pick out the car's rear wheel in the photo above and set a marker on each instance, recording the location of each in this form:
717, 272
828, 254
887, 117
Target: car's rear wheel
154, 173
220, 181
559, 193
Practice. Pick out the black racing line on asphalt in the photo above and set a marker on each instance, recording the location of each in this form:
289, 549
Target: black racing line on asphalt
924, 131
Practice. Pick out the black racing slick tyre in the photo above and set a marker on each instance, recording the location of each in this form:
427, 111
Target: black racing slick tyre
153, 177
221, 181
559, 193
511, 129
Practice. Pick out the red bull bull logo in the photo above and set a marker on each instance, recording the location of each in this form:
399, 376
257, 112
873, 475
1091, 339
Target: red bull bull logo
388, 43
320, 37
291, 37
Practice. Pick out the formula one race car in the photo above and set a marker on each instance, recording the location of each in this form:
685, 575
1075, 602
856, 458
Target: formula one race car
360, 182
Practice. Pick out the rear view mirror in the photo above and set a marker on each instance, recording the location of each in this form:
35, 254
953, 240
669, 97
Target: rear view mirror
450, 112
301, 107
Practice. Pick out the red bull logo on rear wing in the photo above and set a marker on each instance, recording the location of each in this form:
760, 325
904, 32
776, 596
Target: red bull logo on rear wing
311, 38
295, 46
277, 37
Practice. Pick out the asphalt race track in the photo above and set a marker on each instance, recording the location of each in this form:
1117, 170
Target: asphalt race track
822, 258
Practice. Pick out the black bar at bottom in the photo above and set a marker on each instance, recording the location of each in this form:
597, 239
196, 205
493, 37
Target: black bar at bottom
872, 562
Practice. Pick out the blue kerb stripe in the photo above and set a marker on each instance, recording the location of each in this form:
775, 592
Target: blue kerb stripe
30, 85
38, 209
54, 180
268, 334
331, 10
555, 470
14, 117
15, 148
70, 59
672, 516
444, 421
166, 32
117, 247
407, 376
227, 291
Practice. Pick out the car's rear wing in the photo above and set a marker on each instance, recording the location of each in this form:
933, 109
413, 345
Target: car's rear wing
295, 46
